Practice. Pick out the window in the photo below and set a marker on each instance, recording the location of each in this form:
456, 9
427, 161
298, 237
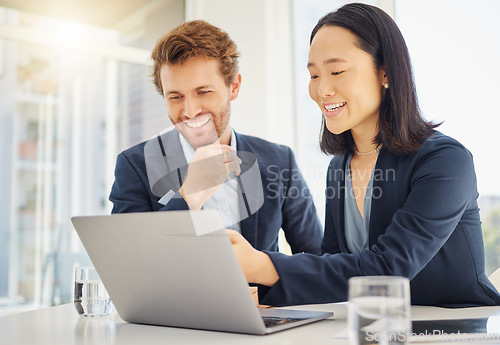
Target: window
72, 97
455, 58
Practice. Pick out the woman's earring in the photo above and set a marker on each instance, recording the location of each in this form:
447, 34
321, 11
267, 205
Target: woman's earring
386, 85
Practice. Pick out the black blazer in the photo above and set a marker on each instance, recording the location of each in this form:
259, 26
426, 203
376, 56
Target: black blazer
287, 202
424, 225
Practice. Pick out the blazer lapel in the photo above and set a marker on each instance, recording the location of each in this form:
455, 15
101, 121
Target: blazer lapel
174, 155
338, 203
384, 196
166, 164
249, 225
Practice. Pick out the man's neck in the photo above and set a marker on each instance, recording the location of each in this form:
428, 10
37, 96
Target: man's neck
225, 138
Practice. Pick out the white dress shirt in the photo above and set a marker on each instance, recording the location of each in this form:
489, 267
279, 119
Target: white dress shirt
225, 200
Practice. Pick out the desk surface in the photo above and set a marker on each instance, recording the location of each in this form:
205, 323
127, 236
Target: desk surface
61, 325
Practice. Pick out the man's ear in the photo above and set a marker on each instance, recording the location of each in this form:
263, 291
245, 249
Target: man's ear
235, 86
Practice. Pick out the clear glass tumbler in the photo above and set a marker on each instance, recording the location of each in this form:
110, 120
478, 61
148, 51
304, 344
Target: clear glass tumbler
91, 298
379, 310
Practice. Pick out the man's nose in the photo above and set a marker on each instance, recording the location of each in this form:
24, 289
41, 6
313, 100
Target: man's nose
191, 108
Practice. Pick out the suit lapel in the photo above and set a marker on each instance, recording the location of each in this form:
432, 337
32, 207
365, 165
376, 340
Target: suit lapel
248, 228
168, 162
375, 210
175, 158
385, 195
338, 202
248, 225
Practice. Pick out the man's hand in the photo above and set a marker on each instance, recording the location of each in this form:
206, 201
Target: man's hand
207, 172
256, 265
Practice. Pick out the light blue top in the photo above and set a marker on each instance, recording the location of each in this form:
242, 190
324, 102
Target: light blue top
356, 227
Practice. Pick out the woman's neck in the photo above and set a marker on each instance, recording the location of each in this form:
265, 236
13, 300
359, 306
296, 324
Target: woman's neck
364, 143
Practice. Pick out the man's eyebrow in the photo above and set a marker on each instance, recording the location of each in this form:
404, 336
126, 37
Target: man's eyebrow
328, 61
197, 89
203, 87
171, 92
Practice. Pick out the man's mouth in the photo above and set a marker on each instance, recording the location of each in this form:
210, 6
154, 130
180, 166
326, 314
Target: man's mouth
197, 124
334, 106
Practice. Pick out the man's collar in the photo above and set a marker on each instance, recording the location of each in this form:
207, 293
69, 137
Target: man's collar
189, 151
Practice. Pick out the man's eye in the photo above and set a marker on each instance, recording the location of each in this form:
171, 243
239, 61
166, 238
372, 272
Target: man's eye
337, 73
204, 92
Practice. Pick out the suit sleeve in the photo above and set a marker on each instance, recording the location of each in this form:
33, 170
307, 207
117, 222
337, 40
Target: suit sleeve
442, 184
131, 191
301, 225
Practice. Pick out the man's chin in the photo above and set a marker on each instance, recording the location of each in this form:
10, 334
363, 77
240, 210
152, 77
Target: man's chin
197, 142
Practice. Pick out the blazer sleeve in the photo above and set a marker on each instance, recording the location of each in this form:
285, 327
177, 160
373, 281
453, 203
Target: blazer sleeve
300, 222
131, 190
442, 183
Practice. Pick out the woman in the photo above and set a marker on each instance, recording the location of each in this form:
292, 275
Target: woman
401, 197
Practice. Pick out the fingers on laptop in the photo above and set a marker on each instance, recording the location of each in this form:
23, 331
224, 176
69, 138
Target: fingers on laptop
255, 294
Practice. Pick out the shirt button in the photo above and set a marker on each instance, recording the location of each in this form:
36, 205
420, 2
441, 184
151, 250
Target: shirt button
223, 208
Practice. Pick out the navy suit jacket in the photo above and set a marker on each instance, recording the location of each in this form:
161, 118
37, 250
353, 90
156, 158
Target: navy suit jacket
287, 200
424, 225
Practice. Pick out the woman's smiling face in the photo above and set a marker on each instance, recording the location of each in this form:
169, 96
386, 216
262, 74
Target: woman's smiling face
345, 83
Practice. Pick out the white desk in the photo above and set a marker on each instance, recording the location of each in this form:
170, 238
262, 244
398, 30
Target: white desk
62, 326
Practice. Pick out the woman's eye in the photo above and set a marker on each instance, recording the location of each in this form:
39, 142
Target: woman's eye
314, 77
174, 98
337, 73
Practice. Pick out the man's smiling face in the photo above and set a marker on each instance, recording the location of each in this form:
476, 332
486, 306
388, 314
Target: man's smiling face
198, 100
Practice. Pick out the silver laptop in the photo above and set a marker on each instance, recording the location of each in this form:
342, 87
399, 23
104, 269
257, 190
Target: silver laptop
178, 269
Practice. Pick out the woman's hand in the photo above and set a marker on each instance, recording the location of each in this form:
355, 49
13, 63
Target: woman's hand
255, 295
256, 265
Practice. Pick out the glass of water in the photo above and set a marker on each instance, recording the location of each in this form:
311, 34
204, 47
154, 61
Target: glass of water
379, 310
91, 298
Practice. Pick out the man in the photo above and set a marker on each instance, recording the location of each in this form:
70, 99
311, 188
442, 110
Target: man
255, 185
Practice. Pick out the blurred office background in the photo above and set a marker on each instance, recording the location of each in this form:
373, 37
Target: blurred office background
75, 91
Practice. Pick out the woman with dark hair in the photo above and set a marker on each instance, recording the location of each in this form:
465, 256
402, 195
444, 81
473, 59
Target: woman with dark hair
401, 197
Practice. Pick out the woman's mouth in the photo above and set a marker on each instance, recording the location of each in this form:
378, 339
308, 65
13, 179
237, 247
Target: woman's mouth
332, 109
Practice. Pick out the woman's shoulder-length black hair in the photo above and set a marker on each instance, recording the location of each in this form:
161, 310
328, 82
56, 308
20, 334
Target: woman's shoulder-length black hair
402, 130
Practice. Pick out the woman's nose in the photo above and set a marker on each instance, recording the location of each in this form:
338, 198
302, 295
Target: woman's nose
326, 89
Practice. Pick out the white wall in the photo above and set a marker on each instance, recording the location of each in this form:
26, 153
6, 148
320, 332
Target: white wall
456, 57
261, 29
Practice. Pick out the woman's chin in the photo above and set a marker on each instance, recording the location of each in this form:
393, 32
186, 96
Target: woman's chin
336, 130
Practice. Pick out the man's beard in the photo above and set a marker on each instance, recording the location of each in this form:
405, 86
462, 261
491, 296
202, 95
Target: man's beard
217, 125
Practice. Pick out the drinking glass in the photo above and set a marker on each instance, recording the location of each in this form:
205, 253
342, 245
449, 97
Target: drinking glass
379, 310
91, 298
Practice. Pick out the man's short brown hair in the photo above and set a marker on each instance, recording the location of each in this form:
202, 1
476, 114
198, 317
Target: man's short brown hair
195, 39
